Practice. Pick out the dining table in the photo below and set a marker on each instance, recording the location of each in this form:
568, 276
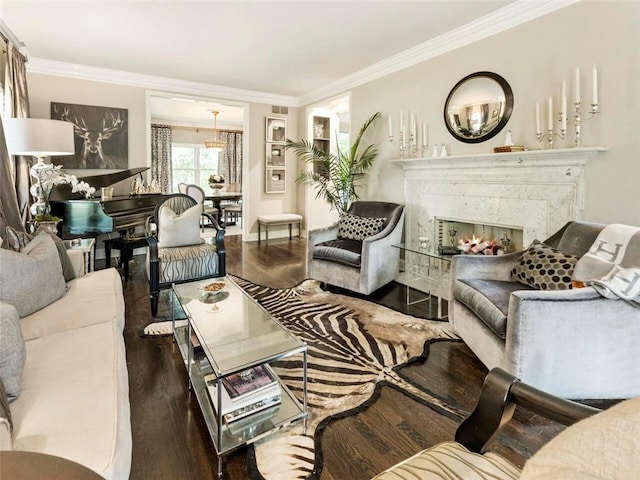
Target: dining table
218, 198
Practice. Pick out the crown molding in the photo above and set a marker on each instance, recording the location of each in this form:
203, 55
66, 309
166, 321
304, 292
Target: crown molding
96, 74
516, 13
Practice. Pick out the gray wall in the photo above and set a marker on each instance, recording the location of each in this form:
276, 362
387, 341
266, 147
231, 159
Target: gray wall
534, 58
43, 89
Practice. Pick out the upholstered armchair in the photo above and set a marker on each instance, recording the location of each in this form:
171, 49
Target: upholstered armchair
596, 445
570, 342
177, 253
356, 253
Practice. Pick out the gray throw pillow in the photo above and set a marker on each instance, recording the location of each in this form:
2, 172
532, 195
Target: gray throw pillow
353, 227
12, 350
32, 278
16, 241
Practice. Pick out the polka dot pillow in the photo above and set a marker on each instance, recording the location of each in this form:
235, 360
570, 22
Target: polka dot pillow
544, 268
352, 227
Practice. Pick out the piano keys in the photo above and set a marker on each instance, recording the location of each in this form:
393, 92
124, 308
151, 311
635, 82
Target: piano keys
91, 217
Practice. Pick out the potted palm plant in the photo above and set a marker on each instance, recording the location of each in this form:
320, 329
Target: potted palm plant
336, 176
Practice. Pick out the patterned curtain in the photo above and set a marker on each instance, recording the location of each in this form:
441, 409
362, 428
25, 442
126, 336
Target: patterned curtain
230, 159
15, 170
161, 156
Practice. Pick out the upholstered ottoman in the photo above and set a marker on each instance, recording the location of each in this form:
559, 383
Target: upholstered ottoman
279, 219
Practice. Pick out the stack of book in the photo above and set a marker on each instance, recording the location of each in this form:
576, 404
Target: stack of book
245, 393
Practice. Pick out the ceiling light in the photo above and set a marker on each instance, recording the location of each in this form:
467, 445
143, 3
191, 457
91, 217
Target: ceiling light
216, 144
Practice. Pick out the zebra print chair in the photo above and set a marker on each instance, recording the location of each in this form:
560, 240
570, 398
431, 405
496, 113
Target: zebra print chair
565, 456
177, 253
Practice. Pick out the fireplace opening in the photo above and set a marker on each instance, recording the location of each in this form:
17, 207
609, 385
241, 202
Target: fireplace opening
459, 236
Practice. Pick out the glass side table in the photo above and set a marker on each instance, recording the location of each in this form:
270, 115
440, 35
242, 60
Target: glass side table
86, 246
426, 272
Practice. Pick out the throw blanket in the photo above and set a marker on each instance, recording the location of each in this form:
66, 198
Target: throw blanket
612, 264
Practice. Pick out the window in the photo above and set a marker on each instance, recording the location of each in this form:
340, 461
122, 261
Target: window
192, 164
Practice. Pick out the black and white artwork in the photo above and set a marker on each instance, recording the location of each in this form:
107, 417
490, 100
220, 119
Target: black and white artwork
101, 135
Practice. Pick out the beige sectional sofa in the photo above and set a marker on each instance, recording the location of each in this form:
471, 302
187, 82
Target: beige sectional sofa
74, 395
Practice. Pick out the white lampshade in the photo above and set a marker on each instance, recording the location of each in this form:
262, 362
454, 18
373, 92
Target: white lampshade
39, 137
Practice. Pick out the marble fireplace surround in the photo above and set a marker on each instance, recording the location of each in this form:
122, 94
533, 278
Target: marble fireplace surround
537, 191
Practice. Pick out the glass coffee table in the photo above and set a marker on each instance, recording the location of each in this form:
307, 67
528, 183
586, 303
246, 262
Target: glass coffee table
228, 332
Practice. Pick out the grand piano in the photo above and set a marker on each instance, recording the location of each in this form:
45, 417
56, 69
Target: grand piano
91, 217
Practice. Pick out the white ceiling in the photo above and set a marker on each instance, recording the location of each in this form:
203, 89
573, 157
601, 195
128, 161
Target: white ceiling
290, 48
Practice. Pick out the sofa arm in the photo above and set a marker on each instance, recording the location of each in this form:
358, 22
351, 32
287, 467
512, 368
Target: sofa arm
77, 261
324, 234
574, 343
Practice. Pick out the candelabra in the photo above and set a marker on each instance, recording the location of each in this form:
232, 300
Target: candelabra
414, 144
578, 117
550, 133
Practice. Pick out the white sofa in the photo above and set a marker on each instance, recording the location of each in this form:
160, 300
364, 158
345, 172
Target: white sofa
74, 397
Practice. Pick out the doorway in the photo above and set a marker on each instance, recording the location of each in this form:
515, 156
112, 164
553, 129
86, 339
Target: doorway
328, 128
192, 122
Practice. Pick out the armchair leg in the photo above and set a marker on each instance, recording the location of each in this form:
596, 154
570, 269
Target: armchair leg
154, 303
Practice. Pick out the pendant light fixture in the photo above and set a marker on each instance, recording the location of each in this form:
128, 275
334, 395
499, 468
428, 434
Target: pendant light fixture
216, 144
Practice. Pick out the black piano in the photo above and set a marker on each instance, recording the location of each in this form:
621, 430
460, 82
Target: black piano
91, 217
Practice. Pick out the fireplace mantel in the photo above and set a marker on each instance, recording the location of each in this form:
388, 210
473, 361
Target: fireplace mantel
539, 190
535, 158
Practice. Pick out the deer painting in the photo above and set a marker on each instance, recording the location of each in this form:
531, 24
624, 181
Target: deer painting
96, 131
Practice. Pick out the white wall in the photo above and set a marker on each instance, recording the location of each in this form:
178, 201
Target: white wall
533, 58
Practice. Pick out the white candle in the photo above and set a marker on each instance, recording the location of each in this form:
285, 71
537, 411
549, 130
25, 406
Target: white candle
401, 122
595, 85
577, 85
425, 141
390, 128
537, 118
563, 106
413, 129
550, 113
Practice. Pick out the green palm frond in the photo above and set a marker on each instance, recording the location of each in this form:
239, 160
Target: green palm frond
336, 177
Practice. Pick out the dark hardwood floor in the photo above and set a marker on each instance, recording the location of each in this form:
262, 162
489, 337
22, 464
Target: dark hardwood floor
171, 441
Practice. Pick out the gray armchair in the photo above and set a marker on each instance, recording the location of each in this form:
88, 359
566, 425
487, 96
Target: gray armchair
572, 343
358, 265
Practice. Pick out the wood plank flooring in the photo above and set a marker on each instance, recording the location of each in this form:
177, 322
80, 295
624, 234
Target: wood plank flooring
171, 441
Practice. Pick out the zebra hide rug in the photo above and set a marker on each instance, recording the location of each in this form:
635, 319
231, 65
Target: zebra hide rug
353, 345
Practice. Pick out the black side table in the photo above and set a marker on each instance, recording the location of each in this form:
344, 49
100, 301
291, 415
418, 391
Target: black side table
126, 247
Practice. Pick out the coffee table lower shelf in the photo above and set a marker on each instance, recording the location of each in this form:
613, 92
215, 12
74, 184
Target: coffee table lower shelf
227, 437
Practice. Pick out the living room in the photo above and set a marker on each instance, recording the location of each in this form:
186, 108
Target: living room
534, 55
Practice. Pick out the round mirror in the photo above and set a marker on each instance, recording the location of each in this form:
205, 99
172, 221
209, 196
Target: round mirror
478, 107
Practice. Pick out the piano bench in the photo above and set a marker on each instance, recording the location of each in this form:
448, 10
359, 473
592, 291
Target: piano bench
126, 246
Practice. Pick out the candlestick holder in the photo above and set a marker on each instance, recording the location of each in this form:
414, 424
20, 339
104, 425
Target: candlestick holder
452, 234
578, 117
413, 147
402, 148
